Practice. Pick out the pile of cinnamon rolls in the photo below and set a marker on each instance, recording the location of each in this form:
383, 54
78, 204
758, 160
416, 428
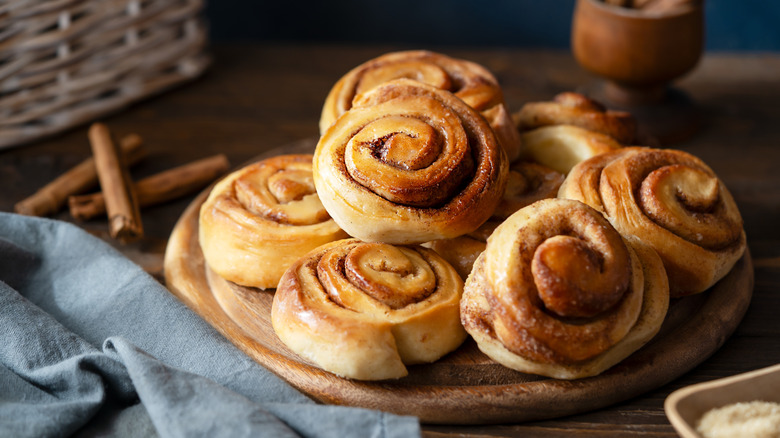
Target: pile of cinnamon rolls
429, 213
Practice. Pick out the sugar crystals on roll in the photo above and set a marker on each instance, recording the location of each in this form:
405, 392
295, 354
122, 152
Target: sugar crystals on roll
559, 292
671, 200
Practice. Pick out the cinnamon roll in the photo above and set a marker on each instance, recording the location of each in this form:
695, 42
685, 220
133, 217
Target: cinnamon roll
366, 310
471, 82
672, 201
409, 163
562, 146
259, 219
575, 109
558, 292
527, 183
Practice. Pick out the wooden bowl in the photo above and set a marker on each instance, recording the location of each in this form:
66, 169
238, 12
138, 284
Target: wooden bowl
638, 52
686, 406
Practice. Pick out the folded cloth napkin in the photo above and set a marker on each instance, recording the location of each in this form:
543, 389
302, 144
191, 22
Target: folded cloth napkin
92, 345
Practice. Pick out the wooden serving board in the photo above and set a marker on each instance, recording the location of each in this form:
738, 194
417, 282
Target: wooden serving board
464, 387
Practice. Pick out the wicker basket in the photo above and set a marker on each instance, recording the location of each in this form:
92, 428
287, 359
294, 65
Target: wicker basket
67, 62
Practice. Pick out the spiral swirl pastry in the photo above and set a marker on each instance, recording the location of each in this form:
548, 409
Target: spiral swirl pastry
672, 201
527, 183
561, 147
471, 82
558, 292
259, 219
409, 163
366, 310
575, 109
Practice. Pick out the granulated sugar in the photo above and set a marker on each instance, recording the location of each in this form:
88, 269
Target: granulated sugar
756, 419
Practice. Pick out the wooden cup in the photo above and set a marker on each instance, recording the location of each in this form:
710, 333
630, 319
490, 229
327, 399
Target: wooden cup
639, 53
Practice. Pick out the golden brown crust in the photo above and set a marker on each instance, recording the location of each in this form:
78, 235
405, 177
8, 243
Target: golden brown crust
575, 109
561, 147
527, 183
461, 252
261, 218
672, 201
559, 292
469, 81
364, 310
409, 163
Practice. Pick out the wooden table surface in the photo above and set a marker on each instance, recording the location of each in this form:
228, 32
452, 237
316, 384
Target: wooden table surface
257, 98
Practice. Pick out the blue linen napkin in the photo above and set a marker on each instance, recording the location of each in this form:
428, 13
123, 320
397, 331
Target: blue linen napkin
92, 345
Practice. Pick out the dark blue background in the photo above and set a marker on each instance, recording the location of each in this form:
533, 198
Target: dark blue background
731, 24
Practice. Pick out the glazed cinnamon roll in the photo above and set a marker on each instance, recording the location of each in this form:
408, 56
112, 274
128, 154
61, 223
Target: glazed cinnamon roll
575, 109
558, 292
259, 219
527, 183
471, 82
672, 201
366, 310
409, 163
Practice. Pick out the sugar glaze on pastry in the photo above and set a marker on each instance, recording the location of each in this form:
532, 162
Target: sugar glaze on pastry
558, 292
409, 163
366, 310
259, 219
527, 183
672, 201
575, 109
469, 81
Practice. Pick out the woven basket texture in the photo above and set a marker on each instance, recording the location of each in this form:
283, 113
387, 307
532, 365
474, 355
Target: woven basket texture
67, 62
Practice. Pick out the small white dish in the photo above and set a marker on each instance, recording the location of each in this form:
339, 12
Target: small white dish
686, 406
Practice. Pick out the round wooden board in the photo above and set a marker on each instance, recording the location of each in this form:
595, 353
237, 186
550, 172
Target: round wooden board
464, 387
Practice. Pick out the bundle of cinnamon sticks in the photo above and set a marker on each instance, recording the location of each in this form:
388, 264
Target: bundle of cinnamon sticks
120, 198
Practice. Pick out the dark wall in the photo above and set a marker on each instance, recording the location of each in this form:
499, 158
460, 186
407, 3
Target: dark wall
731, 24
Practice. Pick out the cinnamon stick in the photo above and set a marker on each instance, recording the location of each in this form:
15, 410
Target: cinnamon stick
51, 197
162, 187
124, 215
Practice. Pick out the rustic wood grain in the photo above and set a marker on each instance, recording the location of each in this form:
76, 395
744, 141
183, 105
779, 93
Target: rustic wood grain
259, 97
